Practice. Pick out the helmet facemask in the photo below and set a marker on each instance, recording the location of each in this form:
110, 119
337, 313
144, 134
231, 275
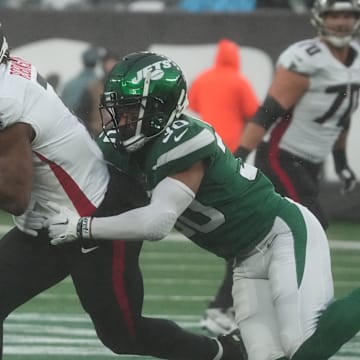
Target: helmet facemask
323, 7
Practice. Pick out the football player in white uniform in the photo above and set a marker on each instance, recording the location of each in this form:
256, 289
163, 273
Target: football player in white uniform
47, 154
306, 114
283, 288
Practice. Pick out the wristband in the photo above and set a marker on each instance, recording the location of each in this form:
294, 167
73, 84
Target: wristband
83, 228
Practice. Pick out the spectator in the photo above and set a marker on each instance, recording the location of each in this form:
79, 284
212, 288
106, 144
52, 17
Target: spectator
88, 110
223, 96
75, 87
225, 99
220, 5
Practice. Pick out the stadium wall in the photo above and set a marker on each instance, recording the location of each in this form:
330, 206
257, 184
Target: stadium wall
54, 42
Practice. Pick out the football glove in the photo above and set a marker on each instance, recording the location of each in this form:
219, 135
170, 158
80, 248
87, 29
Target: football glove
242, 152
30, 222
66, 225
343, 170
348, 180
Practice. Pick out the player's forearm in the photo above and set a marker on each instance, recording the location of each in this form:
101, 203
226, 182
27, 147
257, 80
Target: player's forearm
169, 200
16, 168
252, 135
15, 189
134, 225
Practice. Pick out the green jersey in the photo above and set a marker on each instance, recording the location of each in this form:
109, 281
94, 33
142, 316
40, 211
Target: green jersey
235, 206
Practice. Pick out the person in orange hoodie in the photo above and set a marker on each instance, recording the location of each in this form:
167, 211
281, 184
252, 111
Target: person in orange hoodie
223, 97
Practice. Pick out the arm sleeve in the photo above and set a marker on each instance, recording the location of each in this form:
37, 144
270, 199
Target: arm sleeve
169, 200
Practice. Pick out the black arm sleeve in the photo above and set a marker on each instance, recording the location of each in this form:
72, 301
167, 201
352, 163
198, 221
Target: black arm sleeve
268, 113
340, 160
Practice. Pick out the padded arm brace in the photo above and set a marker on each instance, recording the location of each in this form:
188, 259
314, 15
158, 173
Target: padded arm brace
169, 200
268, 113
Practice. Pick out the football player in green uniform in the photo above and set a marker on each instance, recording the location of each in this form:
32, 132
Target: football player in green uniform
283, 287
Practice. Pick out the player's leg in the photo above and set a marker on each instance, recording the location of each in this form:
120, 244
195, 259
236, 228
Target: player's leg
340, 319
28, 266
255, 313
110, 286
293, 177
219, 315
301, 279
338, 324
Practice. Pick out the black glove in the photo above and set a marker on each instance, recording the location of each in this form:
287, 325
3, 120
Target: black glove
344, 172
242, 152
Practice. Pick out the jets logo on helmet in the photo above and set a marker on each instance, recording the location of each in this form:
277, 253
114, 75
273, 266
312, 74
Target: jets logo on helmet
143, 94
156, 71
322, 7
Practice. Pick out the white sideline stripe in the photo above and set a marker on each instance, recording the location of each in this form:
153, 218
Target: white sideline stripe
57, 350
51, 343
344, 245
84, 318
30, 328
148, 297
176, 236
5, 228
26, 339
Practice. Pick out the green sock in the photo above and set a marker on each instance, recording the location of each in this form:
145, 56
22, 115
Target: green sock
337, 325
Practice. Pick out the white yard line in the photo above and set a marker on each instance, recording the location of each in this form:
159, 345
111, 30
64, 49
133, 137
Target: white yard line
175, 236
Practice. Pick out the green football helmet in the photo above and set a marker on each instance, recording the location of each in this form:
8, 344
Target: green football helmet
143, 94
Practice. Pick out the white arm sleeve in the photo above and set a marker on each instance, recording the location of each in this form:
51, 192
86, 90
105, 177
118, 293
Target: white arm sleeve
169, 200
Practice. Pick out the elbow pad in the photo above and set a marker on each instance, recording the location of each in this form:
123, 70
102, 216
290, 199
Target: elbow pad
268, 113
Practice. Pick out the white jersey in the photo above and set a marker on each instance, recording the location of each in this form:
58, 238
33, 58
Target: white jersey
325, 109
68, 165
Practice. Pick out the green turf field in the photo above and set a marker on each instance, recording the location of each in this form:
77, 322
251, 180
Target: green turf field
180, 279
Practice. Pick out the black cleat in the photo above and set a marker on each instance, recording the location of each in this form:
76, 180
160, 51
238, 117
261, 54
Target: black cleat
233, 346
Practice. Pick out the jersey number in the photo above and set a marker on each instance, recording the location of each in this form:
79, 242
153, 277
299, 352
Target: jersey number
205, 219
208, 219
343, 92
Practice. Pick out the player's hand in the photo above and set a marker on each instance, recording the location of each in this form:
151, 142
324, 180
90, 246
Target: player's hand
63, 225
348, 180
30, 222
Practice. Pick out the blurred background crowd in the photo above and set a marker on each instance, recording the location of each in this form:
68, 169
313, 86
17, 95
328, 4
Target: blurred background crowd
162, 5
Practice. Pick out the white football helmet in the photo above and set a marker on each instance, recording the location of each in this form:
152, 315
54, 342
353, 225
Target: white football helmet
322, 7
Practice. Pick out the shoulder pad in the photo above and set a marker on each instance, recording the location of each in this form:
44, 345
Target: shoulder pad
303, 57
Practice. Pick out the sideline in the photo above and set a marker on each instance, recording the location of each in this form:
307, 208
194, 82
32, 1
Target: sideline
175, 236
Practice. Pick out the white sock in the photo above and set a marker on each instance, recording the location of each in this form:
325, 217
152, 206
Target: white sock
220, 352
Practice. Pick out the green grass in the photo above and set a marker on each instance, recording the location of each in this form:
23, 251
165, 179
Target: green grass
344, 231
180, 279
